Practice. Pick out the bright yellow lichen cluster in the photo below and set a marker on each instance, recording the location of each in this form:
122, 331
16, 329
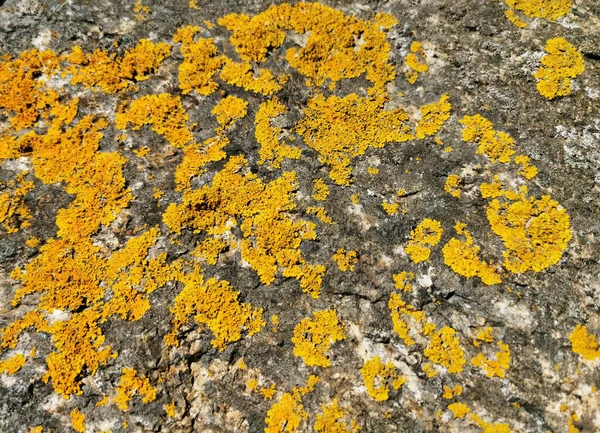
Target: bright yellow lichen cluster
229, 109
401, 281
12, 364
272, 151
433, 117
444, 349
78, 421
527, 170
459, 410
340, 129
320, 190
313, 337
242, 74
463, 258
390, 208
400, 310
452, 392
427, 234
345, 259
414, 65
378, 377
547, 9
561, 63
491, 367
332, 420
584, 343
131, 384
496, 145
14, 213
452, 185
286, 415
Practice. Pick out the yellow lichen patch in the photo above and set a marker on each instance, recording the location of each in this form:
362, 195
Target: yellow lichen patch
401, 281
452, 392
272, 150
496, 145
514, 18
170, 409
230, 109
78, 421
200, 62
14, 213
340, 129
495, 367
142, 12
320, 213
390, 208
427, 234
433, 117
452, 185
331, 420
463, 258
572, 420
547, 9
584, 343
373, 170
33, 242
414, 64
209, 250
133, 384
241, 74
535, 232
23, 98
527, 170
313, 337
401, 310
286, 415
214, 304
320, 190
38, 429
269, 392
489, 427
12, 364
345, 259
102, 402
163, 111
378, 377
196, 156
484, 336
444, 349
561, 63
429, 370
459, 410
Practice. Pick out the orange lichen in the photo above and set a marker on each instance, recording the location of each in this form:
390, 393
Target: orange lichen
210, 249
452, 185
214, 304
14, 213
495, 367
485, 335
489, 427
12, 364
372, 170
463, 258
141, 12
268, 392
584, 343
313, 337
444, 349
401, 281
132, 383
527, 170
547, 9
514, 18
427, 234
452, 392
340, 129
200, 62
496, 145
433, 117
78, 421
390, 208
401, 310
170, 409
561, 63
413, 64
320, 213
241, 74
331, 420
230, 109
286, 415
378, 377
459, 410
272, 150
320, 190
345, 259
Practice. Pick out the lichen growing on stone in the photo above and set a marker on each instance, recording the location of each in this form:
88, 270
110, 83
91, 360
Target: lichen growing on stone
452, 185
345, 259
561, 63
14, 213
584, 343
286, 415
400, 311
414, 65
272, 150
313, 337
496, 145
77, 421
378, 377
332, 420
433, 117
132, 383
427, 234
444, 349
547, 9
320, 190
494, 367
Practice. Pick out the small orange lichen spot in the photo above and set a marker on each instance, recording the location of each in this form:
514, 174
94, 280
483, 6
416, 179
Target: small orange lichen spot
355, 198
320, 190
463, 258
142, 152
496, 367
527, 170
286, 415
242, 74
141, 11
170, 409
103, 401
378, 377
561, 63
241, 365
200, 62
444, 349
496, 145
548, 9
320, 213
514, 18
452, 185
433, 117
210, 249
401, 281
272, 149
12, 364
230, 109
429, 370
584, 343
372, 170
485, 336
38, 429
572, 420
331, 420
459, 410
340, 129
489, 427
193, 4
78, 421
33, 242
412, 62
401, 310
427, 234
345, 259
132, 384
213, 303
14, 213
269, 392
275, 322
157, 193
390, 208
252, 384
452, 392
313, 337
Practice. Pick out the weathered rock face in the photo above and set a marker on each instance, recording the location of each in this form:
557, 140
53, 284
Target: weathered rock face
329, 217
